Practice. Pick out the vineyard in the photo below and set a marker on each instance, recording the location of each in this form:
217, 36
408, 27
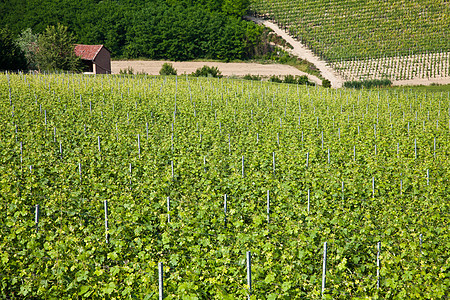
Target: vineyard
369, 39
227, 188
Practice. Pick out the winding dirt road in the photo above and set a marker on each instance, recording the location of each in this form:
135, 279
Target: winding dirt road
303, 52
327, 71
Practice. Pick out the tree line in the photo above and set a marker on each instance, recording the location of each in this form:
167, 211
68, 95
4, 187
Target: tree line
155, 29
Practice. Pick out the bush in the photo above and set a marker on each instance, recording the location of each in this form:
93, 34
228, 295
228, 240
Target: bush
167, 69
206, 71
367, 84
303, 80
252, 77
289, 79
326, 83
274, 78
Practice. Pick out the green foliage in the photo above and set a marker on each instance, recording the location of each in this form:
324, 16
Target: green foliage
203, 127
28, 43
167, 69
11, 56
326, 83
236, 8
207, 71
56, 50
155, 29
302, 80
275, 78
252, 77
289, 79
339, 30
369, 39
367, 84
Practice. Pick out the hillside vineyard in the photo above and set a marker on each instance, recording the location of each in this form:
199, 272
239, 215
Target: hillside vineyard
103, 178
399, 40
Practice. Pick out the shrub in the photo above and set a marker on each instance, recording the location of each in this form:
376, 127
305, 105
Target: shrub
303, 80
275, 78
252, 77
167, 69
367, 84
326, 83
289, 79
206, 71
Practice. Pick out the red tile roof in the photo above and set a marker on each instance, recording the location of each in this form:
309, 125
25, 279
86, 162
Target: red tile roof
87, 52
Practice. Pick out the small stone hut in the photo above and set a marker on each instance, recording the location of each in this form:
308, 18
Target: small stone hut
96, 58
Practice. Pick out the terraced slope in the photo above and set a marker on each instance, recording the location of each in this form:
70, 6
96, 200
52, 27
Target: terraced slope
359, 31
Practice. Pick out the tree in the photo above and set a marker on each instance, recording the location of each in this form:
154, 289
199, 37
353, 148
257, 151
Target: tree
236, 8
56, 50
11, 57
27, 42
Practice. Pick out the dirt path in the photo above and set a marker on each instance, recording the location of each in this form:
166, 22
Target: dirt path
303, 52
152, 67
327, 71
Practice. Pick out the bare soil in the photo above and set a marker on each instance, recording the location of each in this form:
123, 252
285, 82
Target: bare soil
152, 67
266, 70
304, 53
